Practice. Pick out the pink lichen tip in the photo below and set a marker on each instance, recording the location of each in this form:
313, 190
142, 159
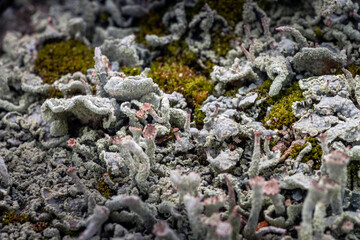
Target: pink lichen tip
337, 156
104, 211
140, 113
161, 229
280, 28
328, 22
322, 136
207, 152
147, 106
329, 183
212, 221
132, 128
71, 142
224, 229
205, 6
316, 186
258, 133
214, 200
116, 139
348, 226
150, 131
106, 174
268, 137
257, 181
271, 187
70, 170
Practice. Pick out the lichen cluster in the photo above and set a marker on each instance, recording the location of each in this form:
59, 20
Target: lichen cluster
186, 119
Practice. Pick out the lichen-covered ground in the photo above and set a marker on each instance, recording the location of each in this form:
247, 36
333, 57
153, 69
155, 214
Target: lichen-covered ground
187, 119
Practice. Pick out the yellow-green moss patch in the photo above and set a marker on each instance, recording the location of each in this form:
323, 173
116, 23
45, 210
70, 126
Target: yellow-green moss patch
130, 71
221, 42
60, 58
315, 153
231, 10
183, 79
104, 189
281, 113
14, 218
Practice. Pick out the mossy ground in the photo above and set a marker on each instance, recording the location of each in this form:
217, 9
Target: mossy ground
281, 113
353, 174
152, 24
231, 10
104, 189
130, 71
183, 79
314, 155
60, 58
221, 42
177, 69
13, 217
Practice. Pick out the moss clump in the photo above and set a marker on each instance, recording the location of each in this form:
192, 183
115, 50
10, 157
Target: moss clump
281, 113
314, 155
104, 189
231, 92
263, 91
40, 226
221, 43
231, 10
151, 24
353, 174
318, 32
130, 71
354, 69
264, 88
74, 233
104, 19
60, 58
14, 218
178, 77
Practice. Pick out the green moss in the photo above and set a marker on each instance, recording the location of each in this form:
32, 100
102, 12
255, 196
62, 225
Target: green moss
231, 92
263, 91
60, 58
264, 88
74, 234
175, 76
318, 32
354, 69
14, 218
151, 24
314, 155
130, 71
104, 18
54, 93
281, 113
104, 189
231, 10
221, 42
353, 176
